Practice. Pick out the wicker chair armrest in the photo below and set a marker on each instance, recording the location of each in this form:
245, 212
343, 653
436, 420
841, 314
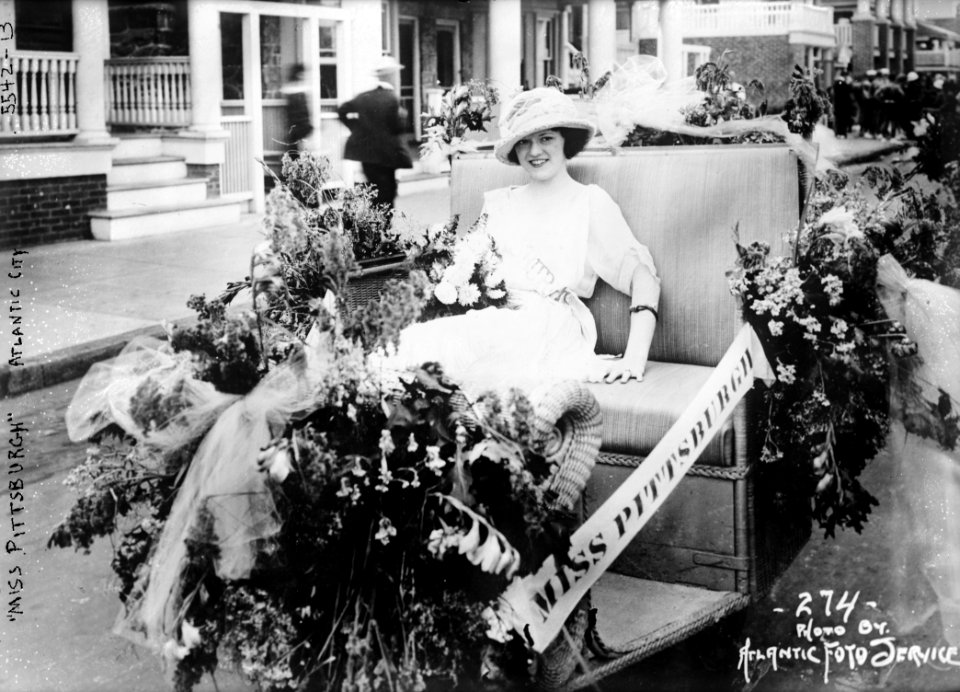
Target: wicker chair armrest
567, 426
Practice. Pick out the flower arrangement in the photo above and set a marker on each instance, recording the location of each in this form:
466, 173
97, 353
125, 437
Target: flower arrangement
715, 109
391, 513
303, 197
829, 339
466, 273
463, 109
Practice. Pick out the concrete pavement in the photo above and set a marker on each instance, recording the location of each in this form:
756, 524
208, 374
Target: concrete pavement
82, 301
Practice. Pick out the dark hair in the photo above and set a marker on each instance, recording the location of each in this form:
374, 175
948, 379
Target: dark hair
296, 72
574, 141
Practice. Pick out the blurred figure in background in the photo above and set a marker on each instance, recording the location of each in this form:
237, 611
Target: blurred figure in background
888, 96
912, 103
373, 118
844, 105
299, 125
866, 102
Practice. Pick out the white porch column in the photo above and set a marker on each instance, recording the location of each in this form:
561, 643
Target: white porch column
864, 10
910, 13
896, 12
206, 89
505, 46
479, 23
253, 102
602, 36
670, 46
91, 40
564, 46
310, 56
365, 44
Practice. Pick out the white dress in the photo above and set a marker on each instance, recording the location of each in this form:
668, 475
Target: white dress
556, 250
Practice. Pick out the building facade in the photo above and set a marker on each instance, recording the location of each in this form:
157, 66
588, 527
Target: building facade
124, 118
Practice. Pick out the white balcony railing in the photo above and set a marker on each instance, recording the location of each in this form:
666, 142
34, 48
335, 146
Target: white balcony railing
844, 34
738, 19
756, 19
939, 57
152, 92
38, 94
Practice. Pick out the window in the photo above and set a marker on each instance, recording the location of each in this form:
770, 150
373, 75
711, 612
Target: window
448, 53
231, 55
623, 16
44, 25
386, 30
328, 66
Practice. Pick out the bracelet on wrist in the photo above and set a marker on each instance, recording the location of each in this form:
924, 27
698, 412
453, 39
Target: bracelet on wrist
645, 308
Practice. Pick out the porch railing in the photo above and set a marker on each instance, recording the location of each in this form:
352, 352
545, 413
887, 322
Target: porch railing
755, 19
737, 18
38, 94
238, 159
150, 92
940, 57
844, 34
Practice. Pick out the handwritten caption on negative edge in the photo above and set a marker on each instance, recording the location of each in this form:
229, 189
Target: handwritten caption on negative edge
829, 635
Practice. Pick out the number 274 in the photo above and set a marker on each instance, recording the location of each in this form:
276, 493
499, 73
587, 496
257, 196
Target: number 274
844, 604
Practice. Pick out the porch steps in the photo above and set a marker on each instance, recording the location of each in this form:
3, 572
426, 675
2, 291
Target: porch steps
137, 146
149, 193
123, 224
157, 193
146, 169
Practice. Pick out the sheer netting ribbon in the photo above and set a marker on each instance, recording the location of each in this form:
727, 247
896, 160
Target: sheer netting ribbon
925, 478
222, 480
639, 94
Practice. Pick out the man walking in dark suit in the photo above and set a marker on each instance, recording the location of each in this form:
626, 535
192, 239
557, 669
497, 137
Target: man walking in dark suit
373, 119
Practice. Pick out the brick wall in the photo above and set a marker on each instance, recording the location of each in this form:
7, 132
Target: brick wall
767, 58
49, 210
863, 47
209, 171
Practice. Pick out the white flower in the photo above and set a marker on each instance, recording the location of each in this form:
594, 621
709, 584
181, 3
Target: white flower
434, 461
276, 460
497, 629
786, 373
833, 287
386, 442
190, 634
445, 292
468, 295
441, 540
839, 328
412, 445
775, 327
386, 531
842, 220
172, 651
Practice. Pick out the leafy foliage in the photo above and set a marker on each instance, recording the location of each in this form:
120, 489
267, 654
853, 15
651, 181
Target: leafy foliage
726, 100
830, 341
404, 507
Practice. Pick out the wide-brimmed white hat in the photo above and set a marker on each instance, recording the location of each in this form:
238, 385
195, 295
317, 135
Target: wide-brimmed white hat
387, 64
533, 111
912, 76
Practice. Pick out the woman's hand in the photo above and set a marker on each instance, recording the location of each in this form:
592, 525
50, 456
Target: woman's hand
617, 370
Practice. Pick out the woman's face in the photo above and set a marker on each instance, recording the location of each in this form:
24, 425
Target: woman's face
541, 154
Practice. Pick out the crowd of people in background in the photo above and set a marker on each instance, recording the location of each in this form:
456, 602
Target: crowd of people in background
879, 105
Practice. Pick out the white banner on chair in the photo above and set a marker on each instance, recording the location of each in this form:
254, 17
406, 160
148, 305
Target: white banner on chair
539, 604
